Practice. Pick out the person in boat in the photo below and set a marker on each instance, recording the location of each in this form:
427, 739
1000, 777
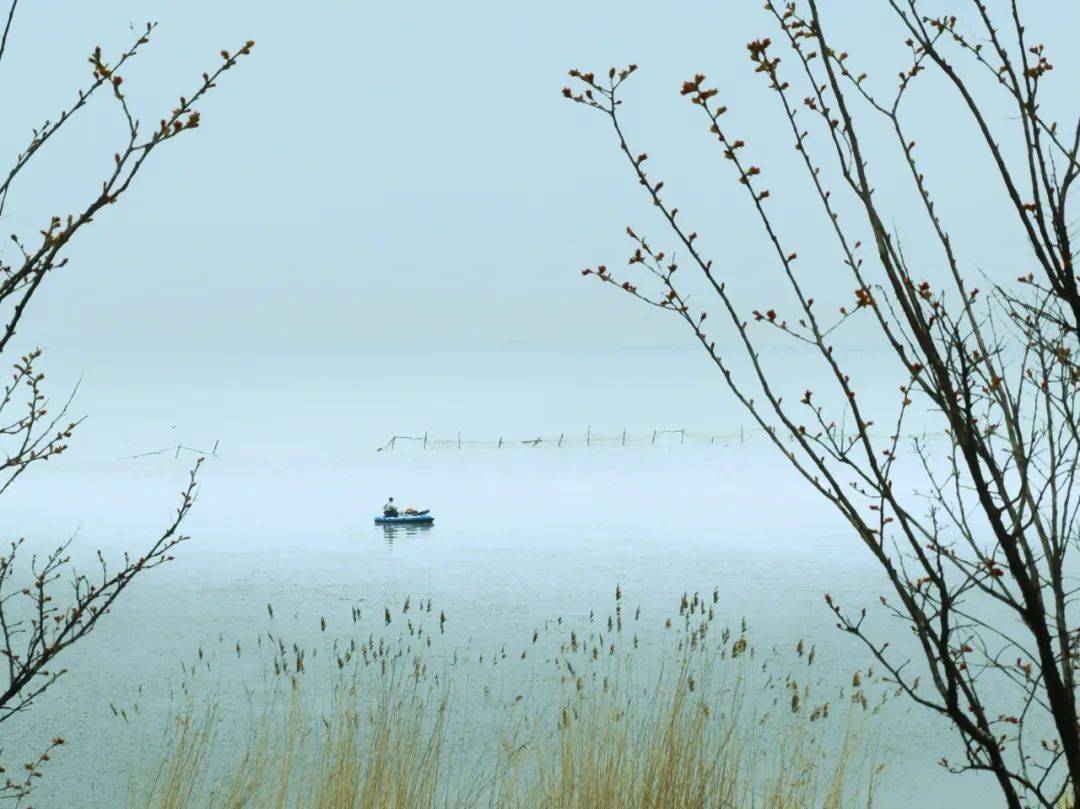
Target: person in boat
390, 510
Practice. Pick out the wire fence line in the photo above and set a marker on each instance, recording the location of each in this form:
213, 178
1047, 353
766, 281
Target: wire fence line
176, 449
588, 438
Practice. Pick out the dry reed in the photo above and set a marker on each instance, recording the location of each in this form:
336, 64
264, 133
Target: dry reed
705, 731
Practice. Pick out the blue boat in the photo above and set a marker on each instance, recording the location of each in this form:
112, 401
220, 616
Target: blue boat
406, 519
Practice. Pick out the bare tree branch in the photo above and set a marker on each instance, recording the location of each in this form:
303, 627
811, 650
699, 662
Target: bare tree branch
975, 558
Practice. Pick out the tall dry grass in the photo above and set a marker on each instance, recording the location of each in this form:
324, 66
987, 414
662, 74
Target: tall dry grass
707, 730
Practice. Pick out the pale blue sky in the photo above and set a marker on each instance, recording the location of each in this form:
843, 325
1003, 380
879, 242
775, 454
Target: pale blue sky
407, 174
373, 161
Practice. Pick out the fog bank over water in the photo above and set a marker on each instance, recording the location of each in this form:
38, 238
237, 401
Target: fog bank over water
307, 404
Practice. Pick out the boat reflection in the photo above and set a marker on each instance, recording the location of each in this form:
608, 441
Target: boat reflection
403, 531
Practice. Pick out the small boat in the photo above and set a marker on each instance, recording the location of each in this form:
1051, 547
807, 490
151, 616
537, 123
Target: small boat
419, 518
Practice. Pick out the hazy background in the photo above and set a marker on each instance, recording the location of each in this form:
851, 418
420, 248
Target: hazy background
379, 229
380, 225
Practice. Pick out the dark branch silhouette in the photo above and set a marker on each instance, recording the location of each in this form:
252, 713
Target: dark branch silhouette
976, 558
48, 604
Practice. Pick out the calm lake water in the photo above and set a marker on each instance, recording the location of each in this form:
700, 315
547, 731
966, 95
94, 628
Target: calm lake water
522, 536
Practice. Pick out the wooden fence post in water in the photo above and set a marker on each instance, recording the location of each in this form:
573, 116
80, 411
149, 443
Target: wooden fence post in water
459, 439
654, 436
561, 438
624, 437
588, 436
682, 432
425, 439
500, 442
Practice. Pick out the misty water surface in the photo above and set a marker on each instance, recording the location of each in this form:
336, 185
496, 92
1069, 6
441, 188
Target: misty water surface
522, 536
